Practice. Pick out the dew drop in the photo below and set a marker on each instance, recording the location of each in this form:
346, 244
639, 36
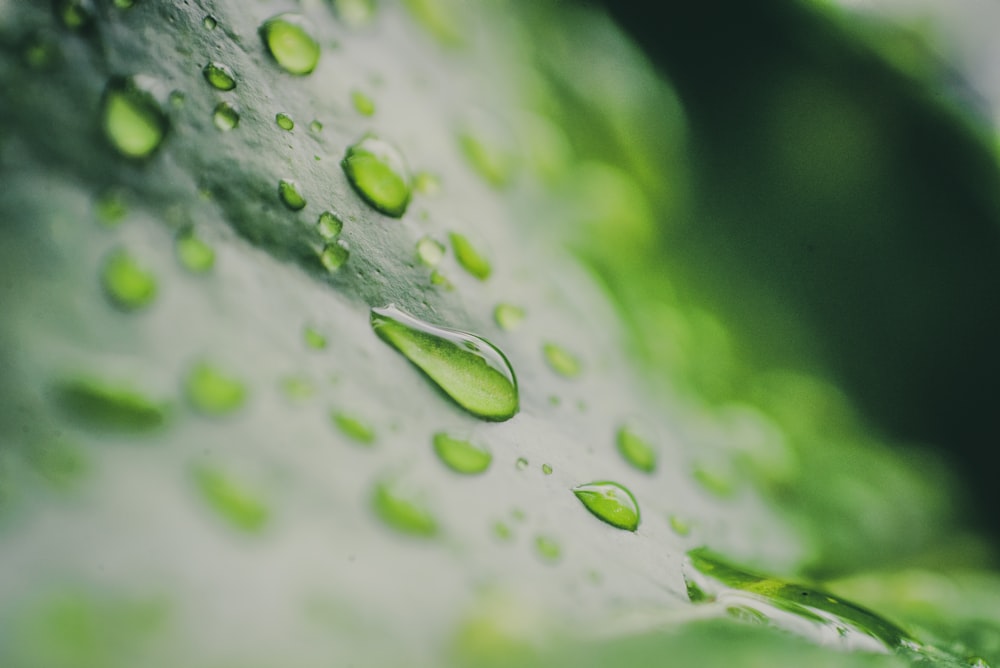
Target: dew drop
284, 121
460, 455
561, 361
132, 119
111, 208
353, 428
426, 183
74, 14
489, 157
439, 280
290, 44
288, 192
226, 116
379, 175
402, 513
334, 255
100, 404
315, 127
297, 387
521, 464
635, 450
124, 4
508, 316
39, 51
213, 392
219, 76
329, 225
363, 104
128, 285
231, 500
314, 339
502, 531
471, 259
430, 252
194, 254
611, 503
209, 22
546, 469
547, 548
679, 526
354, 12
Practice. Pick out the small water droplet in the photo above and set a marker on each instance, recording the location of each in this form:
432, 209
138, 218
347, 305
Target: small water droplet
714, 481
132, 120
363, 104
460, 455
212, 391
489, 157
546, 469
219, 76
108, 406
209, 22
469, 258
561, 361
469, 369
401, 512
315, 127
439, 280
426, 183
334, 255
329, 225
521, 464
290, 44
508, 316
354, 12
314, 339
502, 531
124, 4
611, 503
297, 387
226, 116
429, 251
517, 514
284, 121
111, 208
679, 526
635, 450
128, 285
194, 254
353, 428
40, 51
231, 500
547, 548
75, 15
379, 175
288, 192
177, 99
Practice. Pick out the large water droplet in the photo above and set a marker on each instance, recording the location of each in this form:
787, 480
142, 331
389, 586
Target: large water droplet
212, 391
219, 76
353, 428
226, 116
508, 316
288, 193
635, 450
103, 405
132, 119
402, 513
460, 455
611, 503
127, 285
196, 255
378, 173
284, 121
469, 369
290, 44
471, 259
561, 361
232, 500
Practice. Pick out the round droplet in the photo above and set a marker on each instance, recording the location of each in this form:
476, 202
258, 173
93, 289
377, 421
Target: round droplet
314, 339
108, 406
460, 455
126, 283
353, 428
290, 44
547, 548
439, 280
288, 192
508, 316
561, 361
334, 255
362, 103
132, 119
212, 391
226, 116
315, 127
490, 157
469, 369
502, 531
219, 76
402, 513
354, 12
546, 469
521, 464
124, 4
471, 259
426, 183
231, 500
611, 503
635, 450
194, 254
40, 50
209, 22
430, 252
679, 526
329, 225
284, 121
74, 14
378, 173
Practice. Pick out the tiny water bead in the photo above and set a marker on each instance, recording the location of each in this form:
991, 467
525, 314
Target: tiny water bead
378, 174
679, 526
439, 280
297, 387
353, 428
288, 193
547, 469
225, 116
105, 405
521, 464
508, 316
315, 127
213, 392
402, 513
430, 252
127, 284
334, 255
74, 14
460, 455
469, 258
209, 22
493, 162
470, 370
362, 103
124, 4
231, 500
131, 118
502, 531
547, 548
194, 254
329, 226
561, 361
635, 450
426, 183
354, 12
284, 121
111, 208
610, 503
314, 339
219, 76
290, 44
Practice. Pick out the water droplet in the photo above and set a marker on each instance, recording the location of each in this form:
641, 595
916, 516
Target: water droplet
111, 208
74, 14
209, 22
126, 283
714, 482
508, 316
315, 127
460, 455
284, 121
62, 465
471, 260
561, 361
377, 172
177, 99
103, 405
441, 281
290, 44
124, 4
353, 428
226, 116
547, 548
440, 18
194, 254
429, 251
635, 450
334, 255
426, 183
297, 387
363, 104
611, 503
132, 119
401, 512
329, 226
546, 469
502, 531
521, 464
354, 12
517, 514
314, 339
489, 156
219, 76
288, 192
679, 526
231, 500
39, 51
469, 369
213, 392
